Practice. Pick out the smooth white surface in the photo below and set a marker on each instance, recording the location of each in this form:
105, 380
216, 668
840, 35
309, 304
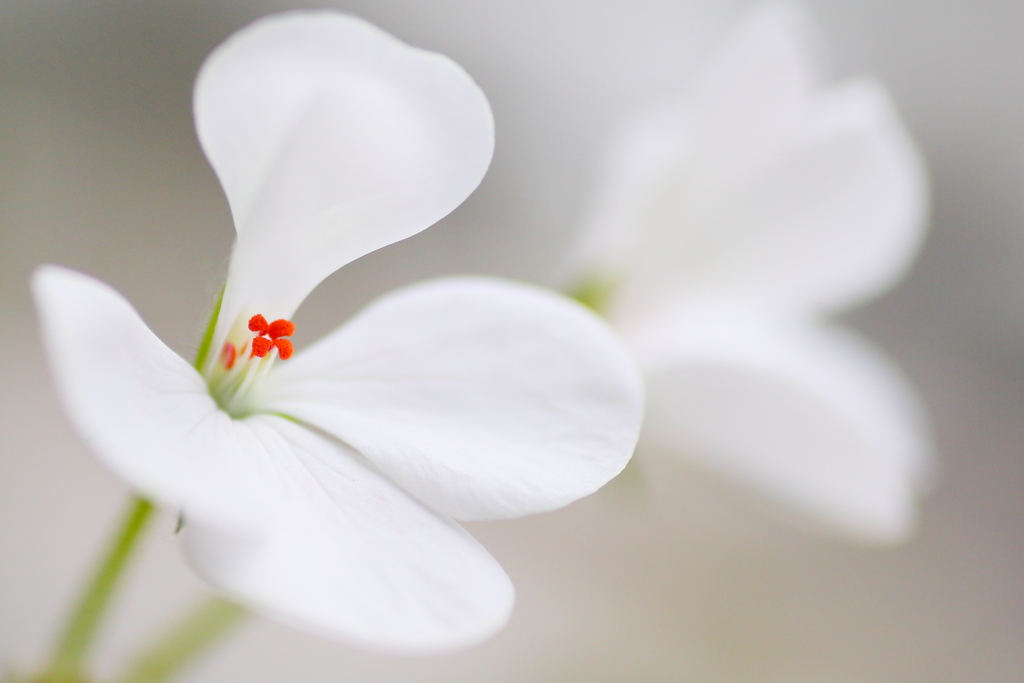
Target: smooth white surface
762, 185
484, 398
806, 413
348, 555
331, 139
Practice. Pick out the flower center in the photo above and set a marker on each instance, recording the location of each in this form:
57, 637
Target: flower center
243, 365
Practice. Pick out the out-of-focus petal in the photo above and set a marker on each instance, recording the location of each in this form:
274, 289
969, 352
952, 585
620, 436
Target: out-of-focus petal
829, 221
760, 186
331, 139
349, 555
747, 100
810, 415
750, 96
484, 399
638, 157
141, 408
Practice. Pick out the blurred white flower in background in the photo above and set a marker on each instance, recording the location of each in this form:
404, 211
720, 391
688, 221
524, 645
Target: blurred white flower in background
321, 488
729, 227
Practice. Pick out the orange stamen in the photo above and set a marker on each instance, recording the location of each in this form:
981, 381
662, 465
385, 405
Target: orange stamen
284, 348
281, 328
260, 346
258, 324
228, 354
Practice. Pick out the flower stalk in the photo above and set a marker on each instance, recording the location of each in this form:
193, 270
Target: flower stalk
73, 647
195, 634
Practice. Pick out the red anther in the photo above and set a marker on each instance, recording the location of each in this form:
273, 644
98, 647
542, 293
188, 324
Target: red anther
281, 328
260, 347
284, 348
228, 354
258, 324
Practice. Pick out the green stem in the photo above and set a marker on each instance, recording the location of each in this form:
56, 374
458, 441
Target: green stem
211, 326
191, 637
73, 646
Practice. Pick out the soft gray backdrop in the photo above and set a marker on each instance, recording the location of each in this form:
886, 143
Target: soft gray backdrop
684, 580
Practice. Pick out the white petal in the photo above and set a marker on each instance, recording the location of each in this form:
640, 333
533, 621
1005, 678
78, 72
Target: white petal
637, 159
810, 415
331, 139
750, 95
746, 101
350, 556
141, 408
483, 398
801, 199
839, 218
832, 219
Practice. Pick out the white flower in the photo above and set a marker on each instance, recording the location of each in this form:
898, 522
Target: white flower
321, 489
730, 225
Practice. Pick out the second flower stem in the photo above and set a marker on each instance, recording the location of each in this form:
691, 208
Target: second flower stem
191, 637
69, 658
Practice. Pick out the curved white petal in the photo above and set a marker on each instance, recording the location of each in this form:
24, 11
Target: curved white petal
636, 160
810, 415
747, 100
832, 219
750, 96
762, 188
331, 139
141, 408
349, 555
483, 398
839, 218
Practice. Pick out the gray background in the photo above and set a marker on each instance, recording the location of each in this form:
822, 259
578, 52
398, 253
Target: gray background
684, 579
